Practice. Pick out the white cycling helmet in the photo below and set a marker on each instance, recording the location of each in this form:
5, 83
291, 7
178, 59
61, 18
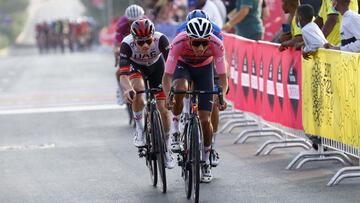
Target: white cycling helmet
134, 12
199, 28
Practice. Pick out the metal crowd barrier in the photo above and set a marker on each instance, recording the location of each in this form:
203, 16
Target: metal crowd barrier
235, 119
346, 172
290, 138
265, 129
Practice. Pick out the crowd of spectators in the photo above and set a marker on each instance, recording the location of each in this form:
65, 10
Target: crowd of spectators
324, 24
57, 35
246, 18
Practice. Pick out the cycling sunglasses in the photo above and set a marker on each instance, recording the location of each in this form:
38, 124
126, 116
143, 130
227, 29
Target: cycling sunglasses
142, 42
204, 43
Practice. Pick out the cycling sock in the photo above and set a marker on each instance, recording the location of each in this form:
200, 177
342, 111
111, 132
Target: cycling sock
167, 141
186, 106
206, 154
175, 124
138, 117
213, 140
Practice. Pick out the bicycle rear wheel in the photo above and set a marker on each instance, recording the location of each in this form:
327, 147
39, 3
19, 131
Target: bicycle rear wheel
150, 155
160, 148
195, 156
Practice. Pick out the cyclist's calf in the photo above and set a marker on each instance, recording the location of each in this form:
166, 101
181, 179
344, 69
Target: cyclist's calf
165, 115
179, 85
138, 102
206, 125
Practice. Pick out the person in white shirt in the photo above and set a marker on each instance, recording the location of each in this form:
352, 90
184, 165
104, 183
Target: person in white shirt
349, 28
311, 33
210, 8
222, 9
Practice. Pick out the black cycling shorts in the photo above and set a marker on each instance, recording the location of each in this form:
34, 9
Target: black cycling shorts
202, 78
153, 73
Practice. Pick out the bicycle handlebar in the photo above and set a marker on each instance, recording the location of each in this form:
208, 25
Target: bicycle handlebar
198, 92
151, 91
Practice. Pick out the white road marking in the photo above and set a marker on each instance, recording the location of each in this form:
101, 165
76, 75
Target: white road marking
26, 147
61, 109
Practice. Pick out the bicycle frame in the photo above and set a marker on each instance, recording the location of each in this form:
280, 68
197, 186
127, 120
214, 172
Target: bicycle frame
154, 135
193, 143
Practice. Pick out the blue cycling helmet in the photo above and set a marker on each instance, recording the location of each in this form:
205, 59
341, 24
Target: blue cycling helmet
197, 13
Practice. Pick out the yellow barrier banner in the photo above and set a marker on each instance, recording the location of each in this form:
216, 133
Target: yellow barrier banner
331, 96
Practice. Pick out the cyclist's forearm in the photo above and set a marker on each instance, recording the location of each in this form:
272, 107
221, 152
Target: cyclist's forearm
166, 83
223, 82
125, 82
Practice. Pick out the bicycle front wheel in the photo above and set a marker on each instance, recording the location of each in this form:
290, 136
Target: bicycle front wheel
186, 165
150, 155
195, 156
160, 147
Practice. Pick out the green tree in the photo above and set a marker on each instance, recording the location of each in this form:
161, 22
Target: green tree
12, 19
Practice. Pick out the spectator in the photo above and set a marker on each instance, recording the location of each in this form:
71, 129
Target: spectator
221, 8
316, 4
329, 20
230, 5
247, 20
350, 28
294, 37
210, 8
192, 4
230, 10
165, 23
311, 33
265, 13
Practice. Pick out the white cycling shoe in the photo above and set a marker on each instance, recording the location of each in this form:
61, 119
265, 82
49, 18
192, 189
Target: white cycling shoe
206, 175
139, 139
169, 160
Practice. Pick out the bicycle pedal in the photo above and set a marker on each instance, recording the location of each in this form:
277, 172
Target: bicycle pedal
180, 163
142, 152
180, 160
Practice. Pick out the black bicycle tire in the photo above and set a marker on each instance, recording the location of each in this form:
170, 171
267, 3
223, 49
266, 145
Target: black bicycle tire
150, 158
195, 156
158, 132
187, 163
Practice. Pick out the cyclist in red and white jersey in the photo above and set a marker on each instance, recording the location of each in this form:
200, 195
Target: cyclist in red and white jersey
132, 13
191, 58
143, 54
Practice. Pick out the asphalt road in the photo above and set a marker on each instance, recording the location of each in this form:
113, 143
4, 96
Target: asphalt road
63, 139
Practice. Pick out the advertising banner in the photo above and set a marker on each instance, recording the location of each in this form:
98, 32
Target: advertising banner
272, 23
265, 81
331, 96
231, 58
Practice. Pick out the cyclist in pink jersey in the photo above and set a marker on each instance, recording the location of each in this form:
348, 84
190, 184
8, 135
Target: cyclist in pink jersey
191, 58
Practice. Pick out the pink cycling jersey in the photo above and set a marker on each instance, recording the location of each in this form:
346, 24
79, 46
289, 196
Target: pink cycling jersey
181, 50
